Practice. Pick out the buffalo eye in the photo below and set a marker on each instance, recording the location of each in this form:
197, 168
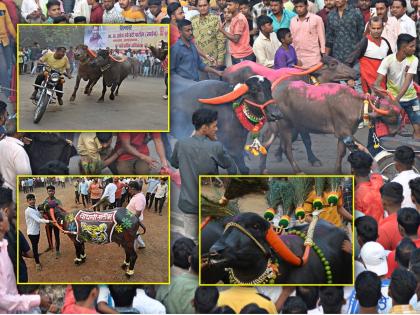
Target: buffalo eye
256, 226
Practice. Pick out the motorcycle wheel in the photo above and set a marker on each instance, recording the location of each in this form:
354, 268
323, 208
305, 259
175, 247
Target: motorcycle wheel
387, 167
41, 107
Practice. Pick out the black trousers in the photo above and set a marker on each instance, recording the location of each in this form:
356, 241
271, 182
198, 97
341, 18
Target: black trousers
161, 201
238, 60
85, 200
49, 228
35, 241
151, 197
40, 78
166, 83
77, 197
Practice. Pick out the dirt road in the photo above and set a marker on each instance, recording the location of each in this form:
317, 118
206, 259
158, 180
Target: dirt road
139, 106
103, 261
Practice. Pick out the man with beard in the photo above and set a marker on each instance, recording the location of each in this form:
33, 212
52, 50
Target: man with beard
131, 13
391, 29
329, 5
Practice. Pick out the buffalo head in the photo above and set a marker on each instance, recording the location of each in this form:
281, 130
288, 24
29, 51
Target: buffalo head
81, 52
386, 107
256, 96
102, 58
334, 71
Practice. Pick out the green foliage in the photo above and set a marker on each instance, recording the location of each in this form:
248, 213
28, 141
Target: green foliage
280, 192
302, 187
213, 209
320, 183
334, 183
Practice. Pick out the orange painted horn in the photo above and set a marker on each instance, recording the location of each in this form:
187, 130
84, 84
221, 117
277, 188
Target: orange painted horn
227, 98
281, 248
91, 53
384, 112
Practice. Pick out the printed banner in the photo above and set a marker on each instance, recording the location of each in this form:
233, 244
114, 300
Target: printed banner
124, 37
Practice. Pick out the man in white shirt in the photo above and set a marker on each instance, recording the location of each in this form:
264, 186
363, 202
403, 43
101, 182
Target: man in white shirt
161, 192
145, 304
31, 11
404, 158
391, 26
266, 44
406, 24
108, 197
13, 158
82, 8
111, 14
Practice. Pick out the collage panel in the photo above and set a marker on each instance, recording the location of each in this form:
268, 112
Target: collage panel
75, 81
276, 230
96, 229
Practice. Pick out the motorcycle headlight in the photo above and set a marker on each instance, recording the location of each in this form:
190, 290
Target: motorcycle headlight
55, 77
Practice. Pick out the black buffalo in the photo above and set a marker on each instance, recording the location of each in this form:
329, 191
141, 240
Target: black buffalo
234, 249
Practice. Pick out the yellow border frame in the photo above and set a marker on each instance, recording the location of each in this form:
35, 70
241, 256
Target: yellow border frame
270, 285
84, 25
92, 176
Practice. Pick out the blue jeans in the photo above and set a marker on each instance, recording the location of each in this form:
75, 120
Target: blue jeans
414, 115
5, 69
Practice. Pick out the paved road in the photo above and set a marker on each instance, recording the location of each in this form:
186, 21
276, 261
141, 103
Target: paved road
139, 106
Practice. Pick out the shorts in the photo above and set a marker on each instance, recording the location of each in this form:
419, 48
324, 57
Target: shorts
413, 115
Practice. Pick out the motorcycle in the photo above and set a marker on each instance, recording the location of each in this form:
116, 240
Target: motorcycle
46, 91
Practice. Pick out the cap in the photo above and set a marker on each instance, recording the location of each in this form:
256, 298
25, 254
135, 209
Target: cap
373, 255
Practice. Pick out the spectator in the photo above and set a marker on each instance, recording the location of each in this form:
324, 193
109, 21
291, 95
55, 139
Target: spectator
108, 197
80, 299
294, 305
136, 206
364, 7
331, 299
95, 191
367, 230
145, 302
161, 192
199, 154
155, 7
137, 159
7, 32
76, 192
329, 5
185, 60
53, 10
285, 56
392, 196
228, 19
111, 14
260, 8
35, 55
60, 20
367, 195
391, 27
118, 194
406, 25
239, 297
123, 296
175, 14
345, 29
31, 11
208, 37
3, 117
33, 220
96, 12
367, 292
238, 35
244, 8
266, 44
150, 195
403, 252
80, 20
131, 13
404, 158
49, 228
83, 191
414, 267
401, 289
253, 308
310, 296
308, 34
408, 225
13, 157
178, 296
81, 9
281, 17
399, 70
181, 250
205, 300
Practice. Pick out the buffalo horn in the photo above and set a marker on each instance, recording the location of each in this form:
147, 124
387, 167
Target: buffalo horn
227, 98
281, 248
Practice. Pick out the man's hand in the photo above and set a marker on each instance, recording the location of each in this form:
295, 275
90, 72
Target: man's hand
346, 246
45, 302
152, 162
211, 59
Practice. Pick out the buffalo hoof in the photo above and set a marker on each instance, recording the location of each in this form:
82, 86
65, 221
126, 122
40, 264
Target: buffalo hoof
112, 97
116, 93
101, 100
86, 92
72, 98
129, 273
78, 261
125, 265
316, 163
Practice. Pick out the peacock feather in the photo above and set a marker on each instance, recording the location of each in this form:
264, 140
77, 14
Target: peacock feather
280, 192
302, 186
334, 184
215, 210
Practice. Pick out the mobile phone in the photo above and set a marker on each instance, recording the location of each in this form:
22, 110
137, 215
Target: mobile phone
372, 11
222, 18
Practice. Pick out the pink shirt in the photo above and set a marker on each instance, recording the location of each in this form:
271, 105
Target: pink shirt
239, 26
308, 38
10, 300
137, 205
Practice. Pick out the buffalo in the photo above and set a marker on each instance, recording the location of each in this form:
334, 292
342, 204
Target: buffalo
253, 99
246, 244
114, 71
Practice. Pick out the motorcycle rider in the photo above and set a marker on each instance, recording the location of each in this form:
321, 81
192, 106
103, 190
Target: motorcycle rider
54, 60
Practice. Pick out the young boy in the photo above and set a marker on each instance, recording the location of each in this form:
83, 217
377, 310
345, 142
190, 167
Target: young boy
33, 220
286, 55
53, 11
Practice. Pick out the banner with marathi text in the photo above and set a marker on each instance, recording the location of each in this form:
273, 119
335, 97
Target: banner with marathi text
124, 36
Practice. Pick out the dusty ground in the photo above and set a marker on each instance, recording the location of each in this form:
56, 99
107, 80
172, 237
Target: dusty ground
139, 106
103, 261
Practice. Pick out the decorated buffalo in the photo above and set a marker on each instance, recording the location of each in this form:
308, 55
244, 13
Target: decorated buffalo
114, 71
329, 70
86, 70
119, 226
249, 251
239, 109
329, 109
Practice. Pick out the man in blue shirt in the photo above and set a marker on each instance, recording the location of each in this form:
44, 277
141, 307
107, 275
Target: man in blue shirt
185, 60
280, 16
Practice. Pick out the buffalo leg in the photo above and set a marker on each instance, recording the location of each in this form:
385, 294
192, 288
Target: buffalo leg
78, 259
76, 87
87, 86
131, 253
306, 138
101, 99
118, 88
287, 148
341, 152
113, 87
82, 252
91, 86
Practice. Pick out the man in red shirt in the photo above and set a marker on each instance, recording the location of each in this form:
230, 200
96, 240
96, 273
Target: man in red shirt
80, 299
238, 34
136, 159
367, 196
408, 224
96, 12
392, 196
118, 194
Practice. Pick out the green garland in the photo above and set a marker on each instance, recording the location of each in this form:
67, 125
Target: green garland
319, 252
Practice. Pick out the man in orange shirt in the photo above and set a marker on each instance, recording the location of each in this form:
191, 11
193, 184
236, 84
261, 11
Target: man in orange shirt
238, 34
367, 196
392, 196
118, 193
